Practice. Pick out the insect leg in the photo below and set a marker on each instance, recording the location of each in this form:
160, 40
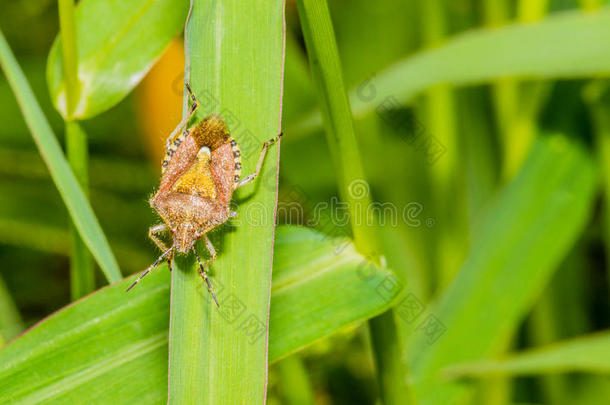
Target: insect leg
152, 234
150, 268
210, 247
177, 136
204, 275
261, 158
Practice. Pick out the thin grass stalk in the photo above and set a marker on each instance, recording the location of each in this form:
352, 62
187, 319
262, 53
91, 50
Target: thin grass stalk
595, 95
542, 329
353, 188
439, 117
340, 133
522, 129
601, 124
82, 277
69, 52
518, 142
516, 105
78, 206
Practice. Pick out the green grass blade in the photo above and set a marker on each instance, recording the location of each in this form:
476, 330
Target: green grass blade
353, 188
339, 127
516, 108
117, 42
78, 207
236, 55
439, 112
586, 354
111, 347
517, 104
566, 45
528, 230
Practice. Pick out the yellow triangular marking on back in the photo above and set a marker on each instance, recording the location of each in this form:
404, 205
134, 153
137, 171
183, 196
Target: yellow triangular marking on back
197, 180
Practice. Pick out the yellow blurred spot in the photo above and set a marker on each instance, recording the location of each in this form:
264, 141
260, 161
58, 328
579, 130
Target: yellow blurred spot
159, 99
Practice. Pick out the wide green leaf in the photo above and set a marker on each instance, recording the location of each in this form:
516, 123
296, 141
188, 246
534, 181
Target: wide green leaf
519, 243
566, 45
117, 43
78, 206
589, 354
112, 346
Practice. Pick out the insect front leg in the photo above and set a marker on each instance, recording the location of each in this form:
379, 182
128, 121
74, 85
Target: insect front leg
261, 158
152, 234
178, 134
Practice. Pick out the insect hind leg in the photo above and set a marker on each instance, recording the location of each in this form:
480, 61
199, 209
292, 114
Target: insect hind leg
261, 159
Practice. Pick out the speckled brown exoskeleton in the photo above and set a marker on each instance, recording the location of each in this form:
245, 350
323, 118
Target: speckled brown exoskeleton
200, 172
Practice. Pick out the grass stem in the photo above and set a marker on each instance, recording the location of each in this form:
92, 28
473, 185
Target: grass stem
82, 277
69, 53
353, 188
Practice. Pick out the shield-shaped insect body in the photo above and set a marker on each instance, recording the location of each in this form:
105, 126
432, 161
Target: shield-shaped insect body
198, 182
200, 172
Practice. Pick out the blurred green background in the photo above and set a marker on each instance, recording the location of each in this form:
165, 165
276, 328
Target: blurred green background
475, 141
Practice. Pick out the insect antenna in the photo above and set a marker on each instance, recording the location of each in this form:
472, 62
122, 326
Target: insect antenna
204, 275
150, 268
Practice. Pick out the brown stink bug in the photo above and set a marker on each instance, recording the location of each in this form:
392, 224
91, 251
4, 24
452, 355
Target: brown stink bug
200, 172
